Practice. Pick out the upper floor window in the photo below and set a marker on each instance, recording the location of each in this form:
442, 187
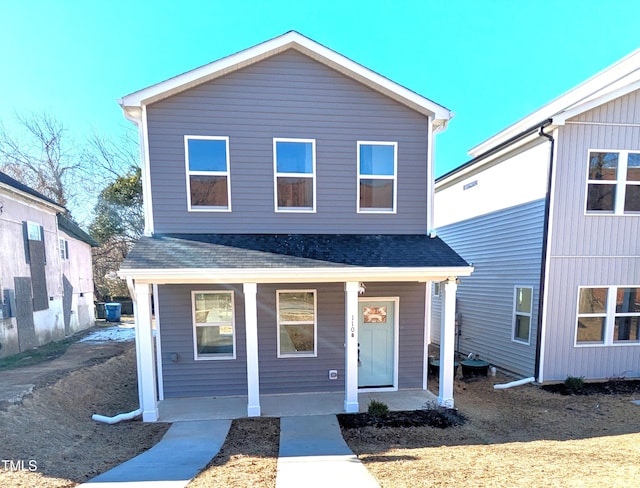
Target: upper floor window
207, 160
294, 163
613, 185
608, 315
377, 176
522, 314
34, 231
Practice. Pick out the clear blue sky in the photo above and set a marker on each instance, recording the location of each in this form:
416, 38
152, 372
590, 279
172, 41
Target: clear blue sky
491, 62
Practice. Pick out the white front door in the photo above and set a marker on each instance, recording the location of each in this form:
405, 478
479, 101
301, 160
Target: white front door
376, 348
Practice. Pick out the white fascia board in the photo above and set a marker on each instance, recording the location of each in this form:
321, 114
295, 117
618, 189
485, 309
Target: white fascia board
600, 99
292, 275
29, 198
483, 163
577, 95
274, 46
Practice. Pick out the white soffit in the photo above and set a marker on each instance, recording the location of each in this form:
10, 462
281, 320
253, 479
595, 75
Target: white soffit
611, 80
290, 40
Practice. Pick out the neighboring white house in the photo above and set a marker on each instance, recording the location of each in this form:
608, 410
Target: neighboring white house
46, 279
548, 213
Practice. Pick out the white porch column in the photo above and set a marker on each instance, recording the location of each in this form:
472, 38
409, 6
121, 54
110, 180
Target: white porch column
447, 343
351, 347
251, 328
145, 354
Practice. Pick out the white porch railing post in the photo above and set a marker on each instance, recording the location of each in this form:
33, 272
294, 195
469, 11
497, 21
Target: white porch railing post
351, 347
447, 343
145, 354
251, 328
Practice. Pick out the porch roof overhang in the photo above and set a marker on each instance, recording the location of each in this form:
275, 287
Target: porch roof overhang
291, 258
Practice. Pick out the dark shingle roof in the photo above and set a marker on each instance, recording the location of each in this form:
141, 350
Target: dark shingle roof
179, 251
7, 180
71, 228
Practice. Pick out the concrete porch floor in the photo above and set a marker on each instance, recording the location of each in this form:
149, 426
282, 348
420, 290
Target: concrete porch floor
285, 405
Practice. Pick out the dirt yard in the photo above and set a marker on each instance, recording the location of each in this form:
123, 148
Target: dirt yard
523, 436
50, 440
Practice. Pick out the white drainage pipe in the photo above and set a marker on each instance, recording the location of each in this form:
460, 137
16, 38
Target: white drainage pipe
117, 418
514, 383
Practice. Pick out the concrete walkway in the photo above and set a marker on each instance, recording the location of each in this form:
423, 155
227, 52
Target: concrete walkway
313, 453
183, 452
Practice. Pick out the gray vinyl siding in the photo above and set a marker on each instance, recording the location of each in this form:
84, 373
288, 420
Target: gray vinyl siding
288, 95
561, 357
589, 250
310, 374
188, 377
505, 248
569, 219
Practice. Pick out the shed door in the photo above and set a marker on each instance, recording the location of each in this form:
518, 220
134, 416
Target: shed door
376, 347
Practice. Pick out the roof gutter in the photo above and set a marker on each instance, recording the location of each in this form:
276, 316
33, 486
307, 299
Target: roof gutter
498, 148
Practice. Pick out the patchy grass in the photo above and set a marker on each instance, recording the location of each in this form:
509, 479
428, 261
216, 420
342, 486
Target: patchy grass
37, 355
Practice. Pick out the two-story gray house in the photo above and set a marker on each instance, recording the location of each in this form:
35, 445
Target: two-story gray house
548, 213
288, 197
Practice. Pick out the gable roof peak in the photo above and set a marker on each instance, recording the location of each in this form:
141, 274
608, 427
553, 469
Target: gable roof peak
132, 103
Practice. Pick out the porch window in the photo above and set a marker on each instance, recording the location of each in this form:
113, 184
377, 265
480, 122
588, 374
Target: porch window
377, 176
522, 314
294, 168
297, 324
608, 316
207, 160
613, 185
214, 325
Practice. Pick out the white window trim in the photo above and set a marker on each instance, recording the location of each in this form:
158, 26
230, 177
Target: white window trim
227, 173
33, 231
394, 209
195, 325
609, 315
516, 313
276, 174
64, 249
620, 184
315, 324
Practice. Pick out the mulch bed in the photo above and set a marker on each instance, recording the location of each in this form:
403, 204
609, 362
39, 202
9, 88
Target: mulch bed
611, 387
437, 417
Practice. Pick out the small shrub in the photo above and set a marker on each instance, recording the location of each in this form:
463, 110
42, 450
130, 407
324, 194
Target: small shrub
574, 383
377, 408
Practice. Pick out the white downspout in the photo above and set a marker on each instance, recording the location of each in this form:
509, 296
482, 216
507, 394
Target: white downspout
134, 413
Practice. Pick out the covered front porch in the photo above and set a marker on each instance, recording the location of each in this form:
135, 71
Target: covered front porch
287, 405
341, 269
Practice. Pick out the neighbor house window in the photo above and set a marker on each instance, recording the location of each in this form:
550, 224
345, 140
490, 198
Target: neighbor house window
294, 163
436, 288
207, 160
64, 249
608, 315
296, 323
214, 329
522, 304
377, 171
34, 231
613, 185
